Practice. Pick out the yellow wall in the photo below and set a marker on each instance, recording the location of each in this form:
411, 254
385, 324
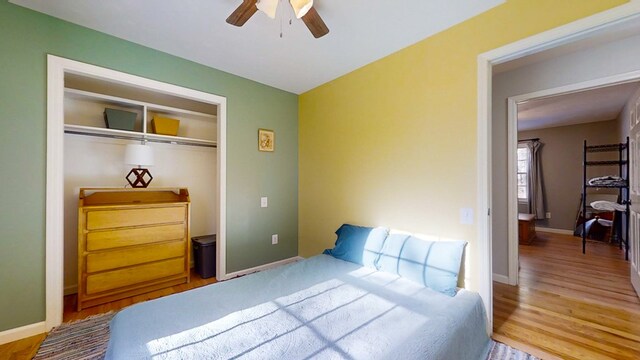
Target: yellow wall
394, 143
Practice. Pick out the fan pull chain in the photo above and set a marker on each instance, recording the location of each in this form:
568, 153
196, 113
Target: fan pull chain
281, 6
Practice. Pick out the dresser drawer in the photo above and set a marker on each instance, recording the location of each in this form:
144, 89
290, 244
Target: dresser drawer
106, 219
102, 240
127, 257
115, 279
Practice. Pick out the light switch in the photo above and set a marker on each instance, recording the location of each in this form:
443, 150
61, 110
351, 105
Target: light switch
274, 239
466, 216
264, 202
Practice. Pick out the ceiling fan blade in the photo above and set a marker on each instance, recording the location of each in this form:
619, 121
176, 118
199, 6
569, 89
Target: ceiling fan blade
243, 13
315, 23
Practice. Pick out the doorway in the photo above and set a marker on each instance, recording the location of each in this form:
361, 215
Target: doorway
559, 120
562, 295
562, 82
606, 23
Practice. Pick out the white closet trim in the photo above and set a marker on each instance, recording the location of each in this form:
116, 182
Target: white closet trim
56, 69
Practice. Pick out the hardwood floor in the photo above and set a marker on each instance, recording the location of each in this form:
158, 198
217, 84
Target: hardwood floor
23, 349
569, 305
27, 348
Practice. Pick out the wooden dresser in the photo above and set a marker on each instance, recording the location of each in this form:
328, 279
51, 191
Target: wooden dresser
131, 241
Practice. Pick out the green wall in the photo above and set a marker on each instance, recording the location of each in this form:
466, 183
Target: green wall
26, 37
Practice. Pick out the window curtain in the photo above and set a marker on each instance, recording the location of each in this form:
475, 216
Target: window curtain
536, 186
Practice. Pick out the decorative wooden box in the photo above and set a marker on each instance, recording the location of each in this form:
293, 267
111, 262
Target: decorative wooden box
131, 241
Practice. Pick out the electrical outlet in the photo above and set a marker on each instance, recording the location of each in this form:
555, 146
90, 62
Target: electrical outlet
274, 239
547, 215
264, 202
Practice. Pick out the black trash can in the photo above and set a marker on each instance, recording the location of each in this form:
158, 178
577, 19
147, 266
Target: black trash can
204, 255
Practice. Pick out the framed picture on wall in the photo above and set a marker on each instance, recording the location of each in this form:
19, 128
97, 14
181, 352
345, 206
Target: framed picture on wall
266, 140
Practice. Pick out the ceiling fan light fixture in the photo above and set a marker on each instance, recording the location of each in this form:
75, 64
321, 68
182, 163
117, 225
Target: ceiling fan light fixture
268, 7
301, 7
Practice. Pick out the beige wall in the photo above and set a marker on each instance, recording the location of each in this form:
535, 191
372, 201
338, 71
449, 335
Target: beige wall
561, 156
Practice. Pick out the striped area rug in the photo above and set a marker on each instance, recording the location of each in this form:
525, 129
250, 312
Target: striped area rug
87, 340
80, 340
500, 351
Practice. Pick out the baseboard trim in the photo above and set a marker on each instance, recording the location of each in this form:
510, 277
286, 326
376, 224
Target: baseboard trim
22, 332
501, 278
263, 267
554, 231
71, 289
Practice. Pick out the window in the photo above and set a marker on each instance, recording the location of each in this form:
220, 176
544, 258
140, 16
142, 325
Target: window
523, 173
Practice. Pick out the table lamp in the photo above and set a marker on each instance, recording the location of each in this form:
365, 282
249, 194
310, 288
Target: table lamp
139, 155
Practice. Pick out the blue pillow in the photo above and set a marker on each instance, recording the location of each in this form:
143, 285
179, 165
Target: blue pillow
359, 244
434, 264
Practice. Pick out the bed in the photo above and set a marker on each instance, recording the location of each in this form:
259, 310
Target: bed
318, 308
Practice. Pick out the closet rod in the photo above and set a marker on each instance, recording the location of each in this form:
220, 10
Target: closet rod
125, 137
532, 139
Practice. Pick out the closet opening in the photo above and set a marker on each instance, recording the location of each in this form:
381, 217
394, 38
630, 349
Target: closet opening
147, 252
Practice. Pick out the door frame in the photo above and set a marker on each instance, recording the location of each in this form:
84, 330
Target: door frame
562, 35
632, 176
54, 232
512, 134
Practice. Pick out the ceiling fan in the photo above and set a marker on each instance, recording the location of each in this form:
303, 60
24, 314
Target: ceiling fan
302, 8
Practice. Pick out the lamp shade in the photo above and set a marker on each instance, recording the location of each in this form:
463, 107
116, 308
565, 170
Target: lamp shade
268, 7
137, 154
301, 7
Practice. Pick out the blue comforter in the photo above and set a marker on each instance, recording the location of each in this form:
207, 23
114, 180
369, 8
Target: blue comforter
319, 308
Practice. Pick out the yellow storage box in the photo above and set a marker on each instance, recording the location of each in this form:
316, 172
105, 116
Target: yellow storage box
165, 126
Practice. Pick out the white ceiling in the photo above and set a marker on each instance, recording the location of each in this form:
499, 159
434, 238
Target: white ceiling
362, 31
576, 108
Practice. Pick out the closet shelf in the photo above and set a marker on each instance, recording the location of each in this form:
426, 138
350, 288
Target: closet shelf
133, 135
128, 102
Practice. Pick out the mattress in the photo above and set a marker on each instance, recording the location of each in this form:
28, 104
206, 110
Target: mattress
318, 308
